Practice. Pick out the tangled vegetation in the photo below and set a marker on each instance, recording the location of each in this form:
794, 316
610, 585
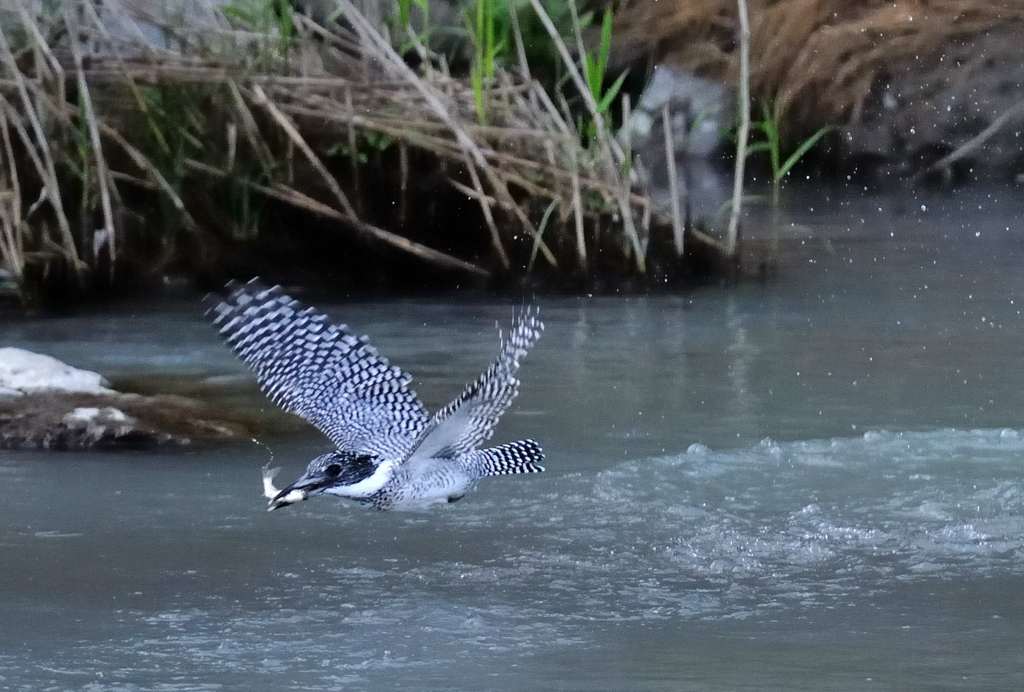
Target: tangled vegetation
140, 141
815, 61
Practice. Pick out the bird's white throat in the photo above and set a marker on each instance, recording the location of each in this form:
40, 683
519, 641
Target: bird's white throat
369, 485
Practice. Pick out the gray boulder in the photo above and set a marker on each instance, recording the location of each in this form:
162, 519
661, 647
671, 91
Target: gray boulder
48, 404
701, 113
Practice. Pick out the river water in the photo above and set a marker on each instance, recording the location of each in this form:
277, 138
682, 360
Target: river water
812, 483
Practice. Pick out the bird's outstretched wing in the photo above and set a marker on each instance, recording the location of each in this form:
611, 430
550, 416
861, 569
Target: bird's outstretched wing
321, 371
469, 421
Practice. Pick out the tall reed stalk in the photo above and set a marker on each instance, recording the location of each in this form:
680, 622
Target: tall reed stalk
487, 48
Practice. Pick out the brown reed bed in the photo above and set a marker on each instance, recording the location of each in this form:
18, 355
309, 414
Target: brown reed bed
136, 143
815, 60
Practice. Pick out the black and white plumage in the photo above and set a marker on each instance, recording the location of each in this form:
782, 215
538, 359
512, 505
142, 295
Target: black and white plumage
389, 452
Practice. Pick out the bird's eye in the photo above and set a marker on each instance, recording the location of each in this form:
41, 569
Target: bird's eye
332, 470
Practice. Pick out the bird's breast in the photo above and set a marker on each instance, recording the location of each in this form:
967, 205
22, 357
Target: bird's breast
427, 482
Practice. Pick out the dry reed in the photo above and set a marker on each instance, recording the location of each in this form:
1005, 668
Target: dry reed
816, 60
97, 110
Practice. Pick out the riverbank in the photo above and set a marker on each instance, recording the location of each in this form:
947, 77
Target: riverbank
248, 139
224, 143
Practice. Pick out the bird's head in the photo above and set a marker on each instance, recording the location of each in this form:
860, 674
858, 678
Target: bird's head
327, 473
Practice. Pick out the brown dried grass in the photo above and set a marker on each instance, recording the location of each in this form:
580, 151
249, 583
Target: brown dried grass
82, 105
816, 60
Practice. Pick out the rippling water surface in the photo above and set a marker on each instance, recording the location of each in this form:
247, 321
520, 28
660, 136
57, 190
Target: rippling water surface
814, 483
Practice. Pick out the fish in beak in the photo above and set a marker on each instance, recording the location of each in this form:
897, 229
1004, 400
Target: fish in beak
308, 484
281, 497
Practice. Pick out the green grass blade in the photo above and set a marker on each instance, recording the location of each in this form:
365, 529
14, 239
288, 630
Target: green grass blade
590, 74
477, 82
605, 47
804, 147
404, 13
757, 148
609, 96
770, 127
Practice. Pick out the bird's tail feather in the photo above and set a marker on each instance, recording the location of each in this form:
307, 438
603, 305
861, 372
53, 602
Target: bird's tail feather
522, 456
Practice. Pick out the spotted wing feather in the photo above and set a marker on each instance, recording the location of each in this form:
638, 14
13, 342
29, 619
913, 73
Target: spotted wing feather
321, 371
469, 421
522, 456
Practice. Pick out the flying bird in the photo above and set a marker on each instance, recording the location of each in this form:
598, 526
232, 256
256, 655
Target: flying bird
389, 453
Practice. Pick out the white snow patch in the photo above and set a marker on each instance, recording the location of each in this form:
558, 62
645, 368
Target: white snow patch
89, 414
23, 372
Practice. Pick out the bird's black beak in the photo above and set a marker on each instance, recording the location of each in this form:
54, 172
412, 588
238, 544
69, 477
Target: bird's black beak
298, 491
288, 496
